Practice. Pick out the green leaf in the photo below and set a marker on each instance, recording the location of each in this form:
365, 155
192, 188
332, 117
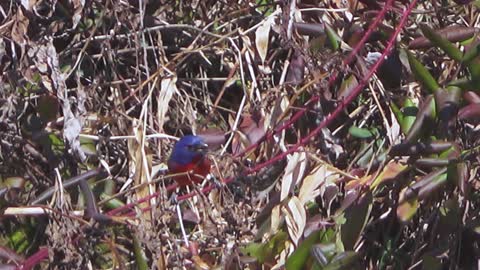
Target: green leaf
57, 144
471, 53
424, 121
140, 258
472, 60
466, 84
432, 186
18, 239
425, 184
449, 48
333, 38
396, 111
111, 203
343, 261
409, 111
299, 257
361, 133
421, 73
264, 252
88, 146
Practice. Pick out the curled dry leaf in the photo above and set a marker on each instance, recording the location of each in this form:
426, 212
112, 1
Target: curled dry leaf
296, 218
347, 86
275, 219
140, 163
412, 149
78, 8
279, 107
250, 131
310, 29
200, 264
262, 36
167, 89
471, 97
46, 61
407, 209
296, 69
309, 189
329, 193
190, 216
293, 173
470, 113
391, 171
316, 223
20, 28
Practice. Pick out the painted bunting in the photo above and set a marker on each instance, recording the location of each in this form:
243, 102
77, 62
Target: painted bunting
189, 155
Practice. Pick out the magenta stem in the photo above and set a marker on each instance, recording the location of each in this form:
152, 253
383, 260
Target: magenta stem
339, 108
35, 259
326, 121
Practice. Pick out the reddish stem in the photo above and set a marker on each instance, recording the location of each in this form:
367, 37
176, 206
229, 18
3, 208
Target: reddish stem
270, 133
337, 111
369, 32
35, 259
42, 253
331, 80
324, 123
355, 92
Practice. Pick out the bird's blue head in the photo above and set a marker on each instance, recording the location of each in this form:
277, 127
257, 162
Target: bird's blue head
188, 149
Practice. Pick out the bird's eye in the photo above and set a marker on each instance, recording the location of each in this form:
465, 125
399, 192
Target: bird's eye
190, 147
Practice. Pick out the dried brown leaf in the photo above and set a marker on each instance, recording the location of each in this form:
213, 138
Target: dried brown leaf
262, 37
293, 173
20, 28
296, 218
310, 185
140, 164
78, 6
167, 89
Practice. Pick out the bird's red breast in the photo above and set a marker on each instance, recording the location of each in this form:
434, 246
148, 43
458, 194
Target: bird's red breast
189, 156
197, 167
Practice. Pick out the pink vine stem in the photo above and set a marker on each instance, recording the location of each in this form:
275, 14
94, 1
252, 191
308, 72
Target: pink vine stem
355, 92
353, 95
35, 259
324, 123
331, 80
43, 252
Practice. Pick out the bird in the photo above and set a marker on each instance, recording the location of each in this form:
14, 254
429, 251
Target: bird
189, 155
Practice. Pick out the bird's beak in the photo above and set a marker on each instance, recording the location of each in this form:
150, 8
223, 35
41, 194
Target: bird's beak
201, 148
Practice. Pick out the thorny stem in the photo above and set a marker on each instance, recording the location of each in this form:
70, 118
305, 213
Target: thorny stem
332, 116
332, 79
369, 32
355, 92
35, 259
42, 253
